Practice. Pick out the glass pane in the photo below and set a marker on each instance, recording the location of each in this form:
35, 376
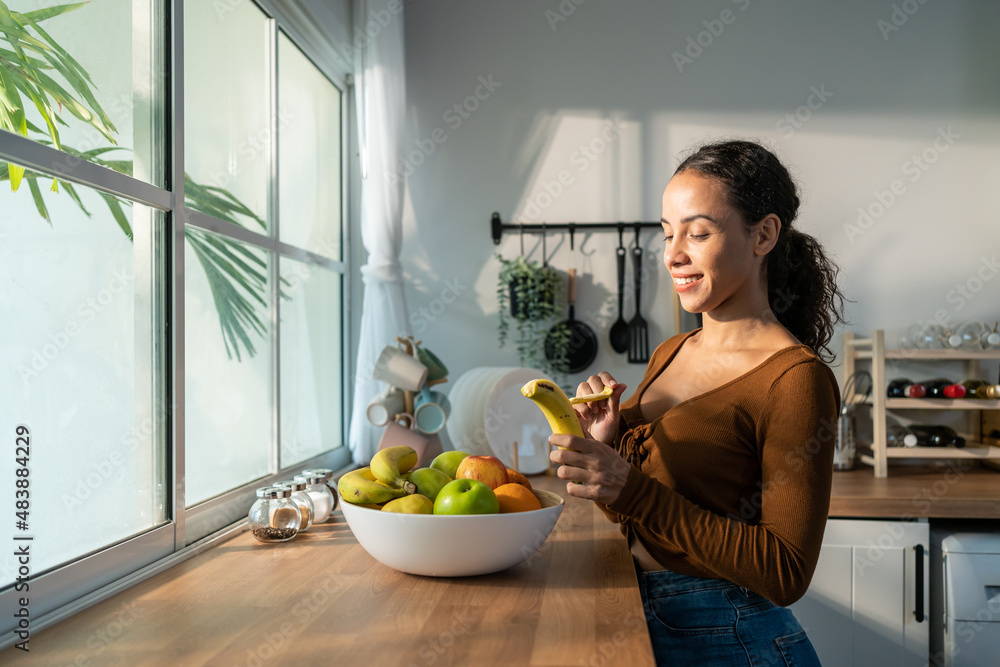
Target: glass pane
311, 346
227, 102
94, 69
78, 311
309, 154
227, 349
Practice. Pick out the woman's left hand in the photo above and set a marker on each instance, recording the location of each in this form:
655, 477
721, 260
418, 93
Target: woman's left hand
598, 468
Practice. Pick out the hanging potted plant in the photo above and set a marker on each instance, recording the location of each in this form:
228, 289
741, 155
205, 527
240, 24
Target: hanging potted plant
528, 294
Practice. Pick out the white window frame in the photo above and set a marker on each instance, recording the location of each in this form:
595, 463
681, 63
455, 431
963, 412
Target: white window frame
69, 588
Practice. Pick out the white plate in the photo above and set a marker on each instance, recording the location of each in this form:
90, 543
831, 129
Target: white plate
509, 417
467, 399
459, 423
477, 441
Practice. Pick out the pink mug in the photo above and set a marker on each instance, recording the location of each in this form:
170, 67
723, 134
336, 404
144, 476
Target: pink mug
400, 431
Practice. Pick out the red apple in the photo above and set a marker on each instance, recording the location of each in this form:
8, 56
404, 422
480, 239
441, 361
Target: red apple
487, 469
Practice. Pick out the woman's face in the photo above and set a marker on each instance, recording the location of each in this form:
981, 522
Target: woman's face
709, 250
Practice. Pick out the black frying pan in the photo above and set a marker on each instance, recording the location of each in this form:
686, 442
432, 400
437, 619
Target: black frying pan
582, 341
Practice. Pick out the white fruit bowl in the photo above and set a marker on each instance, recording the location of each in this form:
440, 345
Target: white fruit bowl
436, 545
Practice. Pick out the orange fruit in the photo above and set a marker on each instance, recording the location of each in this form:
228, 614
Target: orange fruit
517, 478
516, 498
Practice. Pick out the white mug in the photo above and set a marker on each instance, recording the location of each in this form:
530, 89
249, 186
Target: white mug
399, 369
385, 405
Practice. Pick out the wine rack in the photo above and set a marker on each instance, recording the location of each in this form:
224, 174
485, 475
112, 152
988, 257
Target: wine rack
872, 351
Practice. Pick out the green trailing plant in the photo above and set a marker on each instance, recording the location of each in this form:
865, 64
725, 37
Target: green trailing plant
237, 276
530, 296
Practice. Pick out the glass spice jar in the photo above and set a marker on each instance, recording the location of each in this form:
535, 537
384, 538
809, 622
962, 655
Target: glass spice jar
327, 475
274, 517
321, 496
305, 504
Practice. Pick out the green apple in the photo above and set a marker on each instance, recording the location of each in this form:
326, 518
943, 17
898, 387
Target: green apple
411, 504
428, 480
447, 462
466, 496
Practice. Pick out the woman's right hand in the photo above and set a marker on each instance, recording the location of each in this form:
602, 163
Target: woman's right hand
600, 418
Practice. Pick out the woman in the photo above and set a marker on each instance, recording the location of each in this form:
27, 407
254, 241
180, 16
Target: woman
720, 463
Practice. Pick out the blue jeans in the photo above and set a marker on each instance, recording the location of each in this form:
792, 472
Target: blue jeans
706, 622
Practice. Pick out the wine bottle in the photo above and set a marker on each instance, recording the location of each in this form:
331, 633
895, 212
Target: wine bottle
973, 386
970, 336
954, 391
935, 387
897, 435
926, 336
936, 435
897, 387
993, 390
990, 340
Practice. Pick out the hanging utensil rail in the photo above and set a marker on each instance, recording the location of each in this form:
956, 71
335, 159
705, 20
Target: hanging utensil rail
498, 226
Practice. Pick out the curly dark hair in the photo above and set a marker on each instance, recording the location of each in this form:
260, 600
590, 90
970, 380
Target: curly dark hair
801, 280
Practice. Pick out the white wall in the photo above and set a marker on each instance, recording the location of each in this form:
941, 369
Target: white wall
561, 81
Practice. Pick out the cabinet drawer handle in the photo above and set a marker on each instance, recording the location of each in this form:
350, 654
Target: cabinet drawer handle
919, 571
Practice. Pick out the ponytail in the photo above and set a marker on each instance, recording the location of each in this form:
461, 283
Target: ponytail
802, 290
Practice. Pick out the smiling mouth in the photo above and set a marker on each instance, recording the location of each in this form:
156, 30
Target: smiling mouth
688, 280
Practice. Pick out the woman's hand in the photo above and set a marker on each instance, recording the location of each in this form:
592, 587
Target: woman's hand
600, 418
600, 471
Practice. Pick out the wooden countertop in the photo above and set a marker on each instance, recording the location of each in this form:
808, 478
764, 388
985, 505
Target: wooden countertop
952, 489
321, 599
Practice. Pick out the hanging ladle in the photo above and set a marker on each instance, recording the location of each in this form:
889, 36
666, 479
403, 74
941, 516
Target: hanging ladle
619, 330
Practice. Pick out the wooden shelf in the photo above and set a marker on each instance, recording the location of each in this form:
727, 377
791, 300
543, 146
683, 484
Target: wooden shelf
933, 355
936, 403
943, 403
972, 450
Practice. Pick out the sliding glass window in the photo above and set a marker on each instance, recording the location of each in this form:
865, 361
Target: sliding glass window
83, 270
162, 355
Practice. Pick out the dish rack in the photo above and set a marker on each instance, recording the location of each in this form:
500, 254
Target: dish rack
873, 351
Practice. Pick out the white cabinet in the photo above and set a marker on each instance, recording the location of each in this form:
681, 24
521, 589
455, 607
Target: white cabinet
873, 350
868, 600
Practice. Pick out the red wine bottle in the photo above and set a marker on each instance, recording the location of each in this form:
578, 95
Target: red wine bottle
954, 391
935, 387
897, 387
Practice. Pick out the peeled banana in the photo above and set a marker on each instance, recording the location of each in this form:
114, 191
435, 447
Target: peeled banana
361, 488
554, 404
590, 398
390, 464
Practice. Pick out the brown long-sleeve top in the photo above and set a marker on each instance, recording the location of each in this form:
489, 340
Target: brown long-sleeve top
734, 483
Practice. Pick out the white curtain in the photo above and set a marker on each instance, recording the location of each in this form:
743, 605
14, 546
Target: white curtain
380, 91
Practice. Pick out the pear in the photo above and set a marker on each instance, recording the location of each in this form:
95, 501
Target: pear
428, 480
411, 504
